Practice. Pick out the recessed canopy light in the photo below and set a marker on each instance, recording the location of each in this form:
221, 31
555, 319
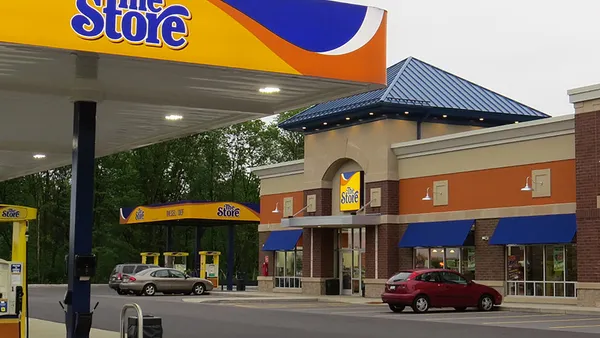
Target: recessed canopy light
516, 121
481, 119
444, 116
347, 119
303, 128
39, 156
269, 90
405, 113
173, 117
371, 113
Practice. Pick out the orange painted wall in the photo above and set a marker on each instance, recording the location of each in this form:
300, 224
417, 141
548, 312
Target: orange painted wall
491, 188
268, 202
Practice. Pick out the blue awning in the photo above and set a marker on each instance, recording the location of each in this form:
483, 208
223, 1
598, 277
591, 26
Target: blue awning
436, 234
282, 240
547, 229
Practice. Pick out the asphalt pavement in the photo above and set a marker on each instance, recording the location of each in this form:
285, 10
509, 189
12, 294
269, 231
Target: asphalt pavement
300, 319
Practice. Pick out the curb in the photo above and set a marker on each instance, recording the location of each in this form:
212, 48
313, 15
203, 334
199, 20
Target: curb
558, 311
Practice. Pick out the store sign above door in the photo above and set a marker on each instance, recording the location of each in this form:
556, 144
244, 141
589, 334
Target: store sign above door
351, 190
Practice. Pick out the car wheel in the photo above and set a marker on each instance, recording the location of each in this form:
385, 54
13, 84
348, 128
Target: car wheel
486, 303
149, 290
198, 289
396, 308
460, 309
121, 292
420, 304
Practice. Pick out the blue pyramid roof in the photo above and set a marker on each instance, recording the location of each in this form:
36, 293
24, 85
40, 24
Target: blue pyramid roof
426, 92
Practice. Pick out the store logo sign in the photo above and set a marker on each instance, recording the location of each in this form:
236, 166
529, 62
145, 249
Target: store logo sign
11, 213
228, 210
139, 215
351, 198
139, 22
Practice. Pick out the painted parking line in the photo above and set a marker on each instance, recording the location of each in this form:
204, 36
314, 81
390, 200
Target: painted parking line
574, 327
291, 306
490, 317
544, 321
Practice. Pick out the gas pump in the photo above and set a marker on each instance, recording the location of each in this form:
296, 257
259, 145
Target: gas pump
172, 262
210, 271
154, 255
14, 313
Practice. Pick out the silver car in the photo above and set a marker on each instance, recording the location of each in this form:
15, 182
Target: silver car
166, 281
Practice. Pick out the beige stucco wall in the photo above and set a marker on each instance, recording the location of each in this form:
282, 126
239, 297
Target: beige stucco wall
367, 144
497, 156
282, 184
438, 129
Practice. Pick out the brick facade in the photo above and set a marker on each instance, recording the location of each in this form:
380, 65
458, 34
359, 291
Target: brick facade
390, 199
387, 250
587, 155
323, 253
324, 197
489, 259
262, 239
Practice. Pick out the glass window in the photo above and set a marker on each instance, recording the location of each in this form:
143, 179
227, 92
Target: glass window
516, 263
289, 263
467, 267
452, 259
280, 263
429, 277
176, 274
162, 274
437, 258
140, 268
128, 268
299, 257
400, 277
421, 258
452, 278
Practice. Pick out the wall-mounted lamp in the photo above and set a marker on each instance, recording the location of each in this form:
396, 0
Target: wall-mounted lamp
485, 238
276, 211
530, 188
427, 197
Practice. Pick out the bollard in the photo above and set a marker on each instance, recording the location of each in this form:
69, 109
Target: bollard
152, 327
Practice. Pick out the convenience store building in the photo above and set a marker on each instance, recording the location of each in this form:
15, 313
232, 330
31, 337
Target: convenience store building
435, 171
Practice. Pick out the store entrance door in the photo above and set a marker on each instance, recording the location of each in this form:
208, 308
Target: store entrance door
351, 260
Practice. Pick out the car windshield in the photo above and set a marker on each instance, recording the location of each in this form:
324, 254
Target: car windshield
400, 277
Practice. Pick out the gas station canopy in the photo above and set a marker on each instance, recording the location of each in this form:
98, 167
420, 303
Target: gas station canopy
162, 69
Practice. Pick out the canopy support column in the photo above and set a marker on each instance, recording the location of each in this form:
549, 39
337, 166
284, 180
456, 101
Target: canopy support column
230, 255
197, 249
85, 98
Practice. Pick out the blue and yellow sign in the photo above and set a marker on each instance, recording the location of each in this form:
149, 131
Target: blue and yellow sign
215, 211
16, 213
318, 38
351, 190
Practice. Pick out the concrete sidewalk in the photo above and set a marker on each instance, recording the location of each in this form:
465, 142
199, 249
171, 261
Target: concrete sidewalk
44, 329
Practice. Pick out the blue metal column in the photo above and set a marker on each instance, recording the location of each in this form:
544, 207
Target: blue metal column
230, 255
82, 208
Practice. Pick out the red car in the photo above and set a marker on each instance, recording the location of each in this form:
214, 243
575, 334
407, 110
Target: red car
437, 288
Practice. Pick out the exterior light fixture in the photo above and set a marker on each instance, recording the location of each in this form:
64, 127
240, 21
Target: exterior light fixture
276, 210
347, 119
173, 117
324, 123
303, 128
444, 116
269, 90
516, 122
427, 197
481, 119
371, 113
39, 156
405, 113
529, 188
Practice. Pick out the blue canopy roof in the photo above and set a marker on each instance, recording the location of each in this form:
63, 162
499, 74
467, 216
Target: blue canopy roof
529, 230
422, 90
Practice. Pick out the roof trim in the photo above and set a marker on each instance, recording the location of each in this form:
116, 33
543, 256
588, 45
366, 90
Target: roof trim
396, 78
582, 94
543, 128
279, 169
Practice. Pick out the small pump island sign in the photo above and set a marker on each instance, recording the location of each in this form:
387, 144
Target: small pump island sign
150, 23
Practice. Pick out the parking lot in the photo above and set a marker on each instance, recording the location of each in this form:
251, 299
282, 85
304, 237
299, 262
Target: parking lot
300, 318
560, 322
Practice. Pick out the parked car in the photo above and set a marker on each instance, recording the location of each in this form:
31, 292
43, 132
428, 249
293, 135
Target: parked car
166, 281
437, 288
122, 270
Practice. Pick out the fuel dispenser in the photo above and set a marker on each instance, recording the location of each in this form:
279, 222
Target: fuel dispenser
210, 271
146, 255
13, 274
11, 298
176, 260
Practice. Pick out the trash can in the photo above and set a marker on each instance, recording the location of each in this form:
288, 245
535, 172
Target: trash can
152, 327
241, 282
332, 287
